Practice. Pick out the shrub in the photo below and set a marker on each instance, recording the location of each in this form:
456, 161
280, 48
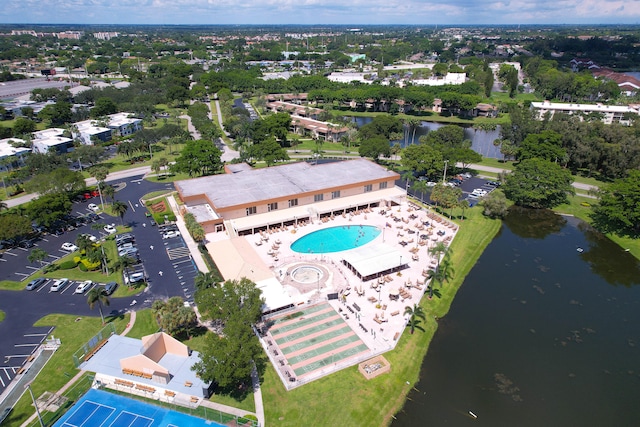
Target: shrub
90, 266
83, 267
68, 265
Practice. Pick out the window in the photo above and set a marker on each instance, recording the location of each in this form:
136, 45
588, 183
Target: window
251, 211
318, 197
368, 188
335, 194
383, 185
272, 207
293, 202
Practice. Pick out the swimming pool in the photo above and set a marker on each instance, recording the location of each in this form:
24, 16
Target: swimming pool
100, 408
335, 239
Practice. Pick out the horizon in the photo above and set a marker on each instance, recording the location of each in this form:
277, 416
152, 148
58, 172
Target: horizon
317, 13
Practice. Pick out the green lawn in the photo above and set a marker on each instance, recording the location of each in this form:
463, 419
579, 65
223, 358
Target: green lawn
145, 324
2, 315
73, 331
11, 285
580, 207
372, 403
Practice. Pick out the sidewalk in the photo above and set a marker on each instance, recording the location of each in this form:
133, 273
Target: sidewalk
191, 244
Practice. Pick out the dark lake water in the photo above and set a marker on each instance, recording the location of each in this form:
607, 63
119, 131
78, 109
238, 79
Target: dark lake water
481, 140
540, 334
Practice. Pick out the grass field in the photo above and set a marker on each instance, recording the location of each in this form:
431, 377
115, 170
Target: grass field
145, 324
73, 332
372, 403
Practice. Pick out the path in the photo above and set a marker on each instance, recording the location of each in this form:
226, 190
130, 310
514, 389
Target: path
228, 153
578, 185
72, 381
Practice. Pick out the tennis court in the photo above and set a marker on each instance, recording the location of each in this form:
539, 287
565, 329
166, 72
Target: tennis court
101, 409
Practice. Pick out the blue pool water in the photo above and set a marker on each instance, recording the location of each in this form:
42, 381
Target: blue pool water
335, 239
99, 408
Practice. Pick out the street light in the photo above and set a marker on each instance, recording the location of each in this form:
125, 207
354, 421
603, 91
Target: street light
444, 175
28, 387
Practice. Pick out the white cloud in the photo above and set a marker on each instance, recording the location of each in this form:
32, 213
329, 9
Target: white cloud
319, 11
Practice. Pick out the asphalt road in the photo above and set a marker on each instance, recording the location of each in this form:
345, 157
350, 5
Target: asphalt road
24, 87
167, 263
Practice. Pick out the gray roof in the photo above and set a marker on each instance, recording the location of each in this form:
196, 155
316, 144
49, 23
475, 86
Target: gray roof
281, 181
106, 361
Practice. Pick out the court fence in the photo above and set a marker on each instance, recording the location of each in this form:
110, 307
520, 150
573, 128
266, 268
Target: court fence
55, 405
90, 347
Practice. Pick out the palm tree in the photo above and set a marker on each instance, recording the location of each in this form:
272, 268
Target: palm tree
438, 249
100, 174
98, 295
205, 280
442, 273
119, 208
109, 191
415, 314
37, 255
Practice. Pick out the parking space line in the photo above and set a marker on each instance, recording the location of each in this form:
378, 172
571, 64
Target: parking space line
36, 335
10, 253
31, 268
26, 345
3, 260
21, 274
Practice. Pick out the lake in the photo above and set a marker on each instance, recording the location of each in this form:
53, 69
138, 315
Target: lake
543, 332
481, 140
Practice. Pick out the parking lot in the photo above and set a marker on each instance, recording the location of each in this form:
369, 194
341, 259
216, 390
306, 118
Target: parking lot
166, 265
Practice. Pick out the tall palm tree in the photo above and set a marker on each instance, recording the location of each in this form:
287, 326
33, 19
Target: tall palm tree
442, 273
415, 314
98, 295
119, 208
109, 191
100, 174
438, 249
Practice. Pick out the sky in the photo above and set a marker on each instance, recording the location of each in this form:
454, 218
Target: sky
309, 12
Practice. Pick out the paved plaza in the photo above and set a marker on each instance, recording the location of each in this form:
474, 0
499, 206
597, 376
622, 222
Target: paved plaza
336, 319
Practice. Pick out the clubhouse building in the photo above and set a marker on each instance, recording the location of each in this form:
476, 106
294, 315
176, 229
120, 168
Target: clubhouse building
248, 201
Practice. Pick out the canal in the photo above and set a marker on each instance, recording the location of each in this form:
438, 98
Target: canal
543, 332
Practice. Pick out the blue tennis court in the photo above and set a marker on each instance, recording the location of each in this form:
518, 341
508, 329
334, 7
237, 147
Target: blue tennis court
101, 409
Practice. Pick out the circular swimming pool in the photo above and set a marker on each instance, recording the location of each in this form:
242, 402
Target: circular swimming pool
335, 239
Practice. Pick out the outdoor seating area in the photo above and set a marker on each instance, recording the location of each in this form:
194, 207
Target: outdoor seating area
372, 306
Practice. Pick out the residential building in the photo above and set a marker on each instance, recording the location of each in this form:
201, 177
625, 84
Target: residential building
123, 124
49, 140
608, 113
12, 154
89, 131
449, 79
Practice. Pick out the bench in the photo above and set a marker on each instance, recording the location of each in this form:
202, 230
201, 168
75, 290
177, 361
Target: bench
396, 336
395, 313
21, 371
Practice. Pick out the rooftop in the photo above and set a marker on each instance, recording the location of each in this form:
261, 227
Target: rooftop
281, 181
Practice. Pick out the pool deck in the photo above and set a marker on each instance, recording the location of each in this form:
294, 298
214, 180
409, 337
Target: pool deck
373, 309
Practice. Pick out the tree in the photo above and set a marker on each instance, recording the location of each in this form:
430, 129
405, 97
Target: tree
23, 126
119, 208
98, 295
229, 359
415, 313
509, 76
439, 249
198, 157
374, 147
618, 208
100, 174
103, 107
268, 150
442, 273
60, 180
57, 114
538, 184
90, 154
109, 191
38, 255
49, 208
13, 225
422, 159
173, 317
494, 204
545, 145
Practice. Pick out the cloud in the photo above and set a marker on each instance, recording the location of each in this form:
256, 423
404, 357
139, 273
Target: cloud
319, 11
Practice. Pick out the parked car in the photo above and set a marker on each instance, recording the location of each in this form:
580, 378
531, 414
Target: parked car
35, 283
91, 237
479, 192
93, 207
110, 229
493, 183
125, 238
170, 234
25, 244
133, 277
92, 217
69, 247
110, 287
83, 287
123, 244
59, 285
132, 252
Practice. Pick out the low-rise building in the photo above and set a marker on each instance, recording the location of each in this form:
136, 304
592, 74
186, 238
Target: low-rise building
89, 131
51, 140
249, 201
608, 113
12, 153
123, 124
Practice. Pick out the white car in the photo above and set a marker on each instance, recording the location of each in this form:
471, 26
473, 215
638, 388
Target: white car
170, 234
479, 192
110, 229
83, 287
91, 237
69, 247
59, 284
93, 207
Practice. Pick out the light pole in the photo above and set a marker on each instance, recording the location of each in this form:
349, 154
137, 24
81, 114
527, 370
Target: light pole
28, 387
318, 283
444, 175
